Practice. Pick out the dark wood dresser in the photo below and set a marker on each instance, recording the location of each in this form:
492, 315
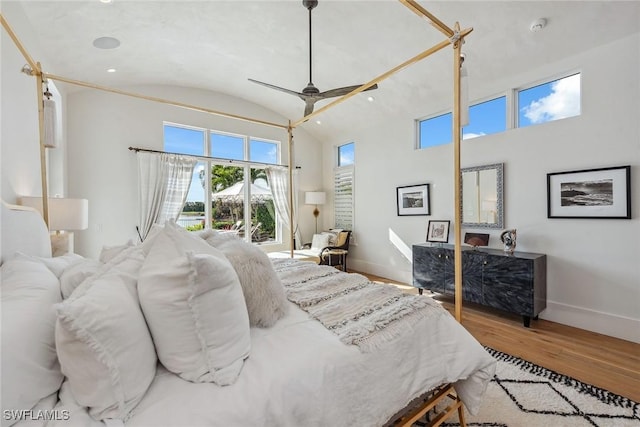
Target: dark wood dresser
516, 283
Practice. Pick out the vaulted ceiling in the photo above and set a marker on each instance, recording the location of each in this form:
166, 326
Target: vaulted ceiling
218, 45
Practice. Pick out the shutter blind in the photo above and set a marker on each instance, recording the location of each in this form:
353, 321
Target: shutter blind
343, 190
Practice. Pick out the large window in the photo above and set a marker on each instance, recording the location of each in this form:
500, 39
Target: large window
343, 186
552, 100
232, 196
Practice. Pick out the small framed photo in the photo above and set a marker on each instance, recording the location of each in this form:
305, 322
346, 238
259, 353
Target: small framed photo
438, 231
413, 200
476, 239
592, 193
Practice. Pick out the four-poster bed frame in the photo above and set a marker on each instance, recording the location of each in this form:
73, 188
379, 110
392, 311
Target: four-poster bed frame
454, 37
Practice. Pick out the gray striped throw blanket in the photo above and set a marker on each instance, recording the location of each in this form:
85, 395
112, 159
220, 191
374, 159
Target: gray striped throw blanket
359, 311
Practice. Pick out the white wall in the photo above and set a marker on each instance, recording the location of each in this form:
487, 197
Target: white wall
593, 270
19, 143
102, 125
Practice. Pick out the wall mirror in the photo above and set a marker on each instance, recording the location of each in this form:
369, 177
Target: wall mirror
482, 196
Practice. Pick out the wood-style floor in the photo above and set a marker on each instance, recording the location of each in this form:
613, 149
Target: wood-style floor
609, 363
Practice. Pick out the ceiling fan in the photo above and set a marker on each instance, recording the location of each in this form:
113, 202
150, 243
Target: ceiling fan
311, 94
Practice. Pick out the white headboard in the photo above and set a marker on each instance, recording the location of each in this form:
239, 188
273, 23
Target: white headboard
22, 230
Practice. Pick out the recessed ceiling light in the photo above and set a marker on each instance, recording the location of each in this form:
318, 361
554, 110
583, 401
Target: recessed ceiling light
318, 122
106, 43
371, 99
538, 25
111, 70
106, 1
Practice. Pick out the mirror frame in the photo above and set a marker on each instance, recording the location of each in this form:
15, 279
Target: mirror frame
499, 167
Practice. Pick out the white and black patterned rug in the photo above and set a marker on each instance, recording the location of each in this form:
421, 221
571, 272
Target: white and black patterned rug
523, 394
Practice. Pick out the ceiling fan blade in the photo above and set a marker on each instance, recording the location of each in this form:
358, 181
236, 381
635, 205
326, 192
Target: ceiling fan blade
343, 91
291, 92
308, 108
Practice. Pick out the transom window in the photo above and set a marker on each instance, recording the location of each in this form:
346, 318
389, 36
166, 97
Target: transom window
552, 100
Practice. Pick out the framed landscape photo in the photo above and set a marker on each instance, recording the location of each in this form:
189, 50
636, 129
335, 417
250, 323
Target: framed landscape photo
438, 231
592, 193
413, 200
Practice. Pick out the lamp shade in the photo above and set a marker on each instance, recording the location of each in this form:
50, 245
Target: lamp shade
315, 197
64, 214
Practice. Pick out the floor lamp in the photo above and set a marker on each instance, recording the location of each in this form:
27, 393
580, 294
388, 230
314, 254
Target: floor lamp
315, 198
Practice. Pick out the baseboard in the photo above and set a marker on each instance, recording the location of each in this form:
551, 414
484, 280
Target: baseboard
596, 321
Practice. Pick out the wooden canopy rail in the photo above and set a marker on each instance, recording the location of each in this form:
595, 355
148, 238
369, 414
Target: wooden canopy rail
454, 36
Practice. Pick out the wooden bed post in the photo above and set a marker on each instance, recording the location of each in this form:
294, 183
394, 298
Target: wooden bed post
291, 207
457, 134
43, 151
36, 70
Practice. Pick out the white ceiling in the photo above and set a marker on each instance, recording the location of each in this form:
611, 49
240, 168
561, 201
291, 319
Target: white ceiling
218, 45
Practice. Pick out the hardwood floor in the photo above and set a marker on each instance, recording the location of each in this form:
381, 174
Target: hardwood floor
600, 360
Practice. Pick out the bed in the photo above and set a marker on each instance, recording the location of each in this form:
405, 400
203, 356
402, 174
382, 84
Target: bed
288, 366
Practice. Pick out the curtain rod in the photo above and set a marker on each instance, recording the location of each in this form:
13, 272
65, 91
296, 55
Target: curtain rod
218, 159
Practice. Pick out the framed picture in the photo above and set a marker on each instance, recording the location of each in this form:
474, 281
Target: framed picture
438, 231
413, 200
476, 239
592, 193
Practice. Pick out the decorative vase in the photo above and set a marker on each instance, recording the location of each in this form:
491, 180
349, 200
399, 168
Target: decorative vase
508, 238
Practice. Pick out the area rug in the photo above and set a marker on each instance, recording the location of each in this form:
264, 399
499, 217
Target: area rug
523, 394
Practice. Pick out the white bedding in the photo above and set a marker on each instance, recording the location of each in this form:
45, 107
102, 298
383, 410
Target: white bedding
300, 374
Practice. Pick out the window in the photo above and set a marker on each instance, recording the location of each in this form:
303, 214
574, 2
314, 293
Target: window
343, 187
550, 101
346, 154
239, 197
557, 99
486, 118
435, 131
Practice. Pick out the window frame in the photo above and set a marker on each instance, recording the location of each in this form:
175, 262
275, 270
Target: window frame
245, 164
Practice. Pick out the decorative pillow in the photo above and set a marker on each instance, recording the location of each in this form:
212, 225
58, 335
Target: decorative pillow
125, 264
193, 303
30, 369
75, 274
319, 241
58, 264
105, 348
109, 252
261, 285
333, 237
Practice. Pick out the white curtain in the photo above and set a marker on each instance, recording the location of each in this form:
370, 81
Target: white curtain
164, 183
278, 179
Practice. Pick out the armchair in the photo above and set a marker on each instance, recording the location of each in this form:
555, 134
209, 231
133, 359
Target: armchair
336, 255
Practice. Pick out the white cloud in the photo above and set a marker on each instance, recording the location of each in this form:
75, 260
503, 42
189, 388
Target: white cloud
470, 135
563, 101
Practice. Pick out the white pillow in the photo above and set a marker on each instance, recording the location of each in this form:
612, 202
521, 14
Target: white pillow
75, 274
263, 291
109, 252
320, 241
125, 264
30, 369
105, 348
58, 264
193, 304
